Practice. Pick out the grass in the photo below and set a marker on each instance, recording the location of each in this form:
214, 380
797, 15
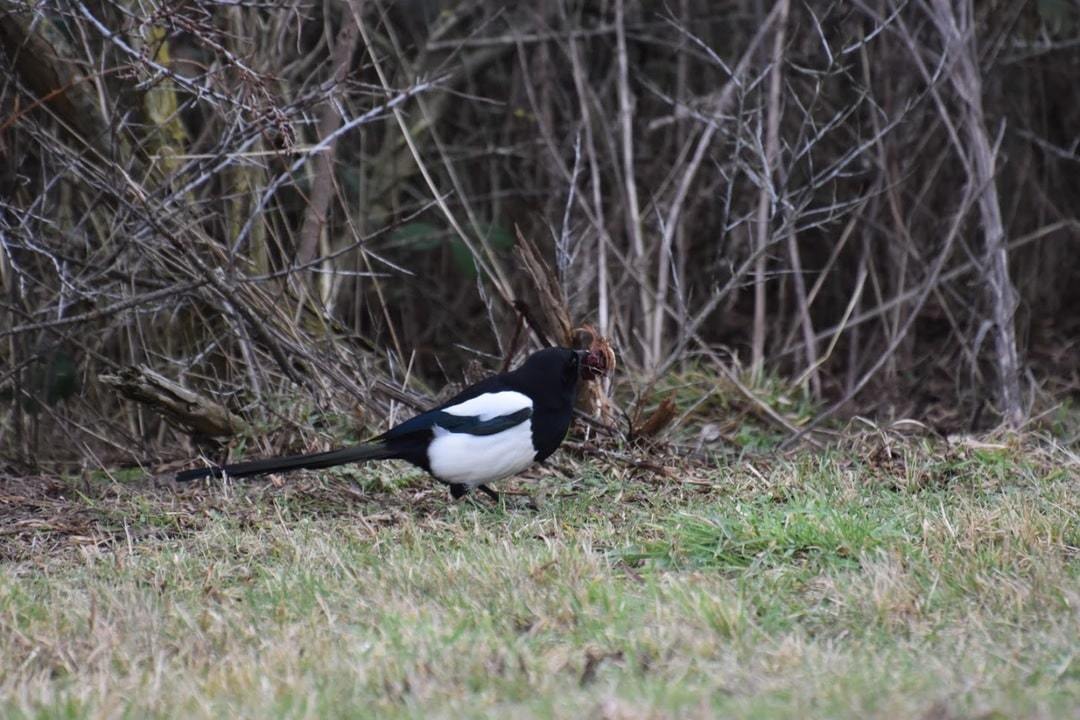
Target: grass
906, 580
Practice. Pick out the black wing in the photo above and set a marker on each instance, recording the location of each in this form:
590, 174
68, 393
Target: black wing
425, 421
475, 426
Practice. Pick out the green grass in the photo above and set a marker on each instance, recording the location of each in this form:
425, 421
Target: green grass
913, 582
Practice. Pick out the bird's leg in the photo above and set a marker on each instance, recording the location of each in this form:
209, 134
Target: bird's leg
458, 490
489, 492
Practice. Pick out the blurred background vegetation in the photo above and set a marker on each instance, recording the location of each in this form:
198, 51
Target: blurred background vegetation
304, 216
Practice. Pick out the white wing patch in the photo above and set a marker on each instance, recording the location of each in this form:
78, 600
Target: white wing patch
479, 459
491, 405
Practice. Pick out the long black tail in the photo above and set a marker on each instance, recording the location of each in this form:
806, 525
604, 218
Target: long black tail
369, 451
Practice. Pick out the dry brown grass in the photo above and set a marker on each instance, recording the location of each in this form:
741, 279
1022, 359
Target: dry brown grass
822, 585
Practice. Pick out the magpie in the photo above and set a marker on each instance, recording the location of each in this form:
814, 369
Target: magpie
489, 431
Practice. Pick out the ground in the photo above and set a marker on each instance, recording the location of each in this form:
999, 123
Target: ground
886, 577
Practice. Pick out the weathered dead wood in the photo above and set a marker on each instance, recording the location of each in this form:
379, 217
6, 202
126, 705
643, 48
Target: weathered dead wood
50, 83
177, 404
554, 315
657, 421
955, 25
323, 170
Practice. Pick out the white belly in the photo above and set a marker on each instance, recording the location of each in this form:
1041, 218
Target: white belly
479, 459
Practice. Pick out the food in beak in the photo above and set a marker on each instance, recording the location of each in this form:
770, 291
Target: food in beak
599, 359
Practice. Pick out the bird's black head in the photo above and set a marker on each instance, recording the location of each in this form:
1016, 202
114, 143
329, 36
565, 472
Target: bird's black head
550, 378
555, 363
551, 372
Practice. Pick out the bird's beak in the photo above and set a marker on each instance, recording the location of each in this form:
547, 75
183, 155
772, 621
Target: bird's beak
589, 370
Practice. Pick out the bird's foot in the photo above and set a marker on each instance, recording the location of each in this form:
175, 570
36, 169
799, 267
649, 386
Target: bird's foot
512, 501
505, 500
